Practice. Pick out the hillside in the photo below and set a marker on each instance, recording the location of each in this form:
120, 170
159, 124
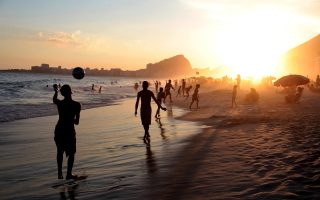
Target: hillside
304, 59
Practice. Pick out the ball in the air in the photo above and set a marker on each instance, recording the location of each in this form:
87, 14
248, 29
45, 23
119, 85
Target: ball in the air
78, 73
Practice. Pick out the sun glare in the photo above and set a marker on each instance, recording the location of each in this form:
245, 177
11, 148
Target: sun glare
252, 45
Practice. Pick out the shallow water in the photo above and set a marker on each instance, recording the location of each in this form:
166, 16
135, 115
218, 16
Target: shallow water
110, 150
21, 92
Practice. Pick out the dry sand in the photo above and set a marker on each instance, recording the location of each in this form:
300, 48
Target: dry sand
268, 150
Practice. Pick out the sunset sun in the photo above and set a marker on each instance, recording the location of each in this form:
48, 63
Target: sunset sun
253, 44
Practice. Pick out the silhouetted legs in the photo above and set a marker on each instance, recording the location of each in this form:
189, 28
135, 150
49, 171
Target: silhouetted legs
192, 103
59, 162
146, 131
70, 165
167, 94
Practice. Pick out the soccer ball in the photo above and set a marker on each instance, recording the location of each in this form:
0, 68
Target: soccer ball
78, 73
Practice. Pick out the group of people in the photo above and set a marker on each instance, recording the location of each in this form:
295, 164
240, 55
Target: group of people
69, 115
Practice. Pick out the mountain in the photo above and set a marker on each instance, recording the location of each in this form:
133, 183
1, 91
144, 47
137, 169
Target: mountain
171, 67
304, 59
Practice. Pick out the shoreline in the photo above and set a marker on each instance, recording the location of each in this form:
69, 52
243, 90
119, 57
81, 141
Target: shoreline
110, 150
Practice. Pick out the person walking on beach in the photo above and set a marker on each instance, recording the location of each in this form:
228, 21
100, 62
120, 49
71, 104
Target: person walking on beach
179, 92
167, 88
160, 96
188, 91
64, 133
183, 86
195, 96
145, 111
234, 96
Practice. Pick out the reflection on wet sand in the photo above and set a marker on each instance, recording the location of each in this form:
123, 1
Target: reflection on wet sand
169, 110
150, 159
71, 195
162, 130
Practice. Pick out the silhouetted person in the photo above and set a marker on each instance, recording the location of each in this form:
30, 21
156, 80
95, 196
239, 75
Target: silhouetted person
179, 92
195, 96
145, 110
100, 89
156, 84
234, 96
64, 133
136, 86
183, 86
294, 98
167, 89
253, 96
160, 97
318, 82
238, 80
188, 91
175, 84
92, 87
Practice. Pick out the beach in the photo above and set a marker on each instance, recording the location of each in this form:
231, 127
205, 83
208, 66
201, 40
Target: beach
110, 150
266, 150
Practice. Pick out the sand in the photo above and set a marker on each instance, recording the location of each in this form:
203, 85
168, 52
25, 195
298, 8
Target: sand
110, 150
268, 150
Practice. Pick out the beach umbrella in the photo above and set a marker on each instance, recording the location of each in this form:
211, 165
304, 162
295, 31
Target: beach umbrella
291, 80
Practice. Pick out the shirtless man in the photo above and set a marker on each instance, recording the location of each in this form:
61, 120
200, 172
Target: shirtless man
167, 91
145, 111
64, 133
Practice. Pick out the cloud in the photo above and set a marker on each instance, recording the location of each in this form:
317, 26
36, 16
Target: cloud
73, 39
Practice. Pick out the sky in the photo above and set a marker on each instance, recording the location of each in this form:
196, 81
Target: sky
245, 35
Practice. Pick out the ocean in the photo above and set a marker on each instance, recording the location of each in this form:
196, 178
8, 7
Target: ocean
27, 95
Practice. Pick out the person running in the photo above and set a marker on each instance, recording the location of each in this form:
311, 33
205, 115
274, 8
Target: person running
188, 91
179, 92
64, 133
195, 96
167, 88
160, 96
145, 111
234, 96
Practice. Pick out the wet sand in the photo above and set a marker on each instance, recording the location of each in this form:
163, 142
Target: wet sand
268, 150
110, 150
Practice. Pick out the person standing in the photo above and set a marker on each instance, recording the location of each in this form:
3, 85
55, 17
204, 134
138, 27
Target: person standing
64, 133
234, 96
183, 86
145, 111
238, 81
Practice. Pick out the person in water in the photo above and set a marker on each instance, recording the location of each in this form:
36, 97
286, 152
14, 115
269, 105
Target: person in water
145, 111
160, 96
64, 133
195, 96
